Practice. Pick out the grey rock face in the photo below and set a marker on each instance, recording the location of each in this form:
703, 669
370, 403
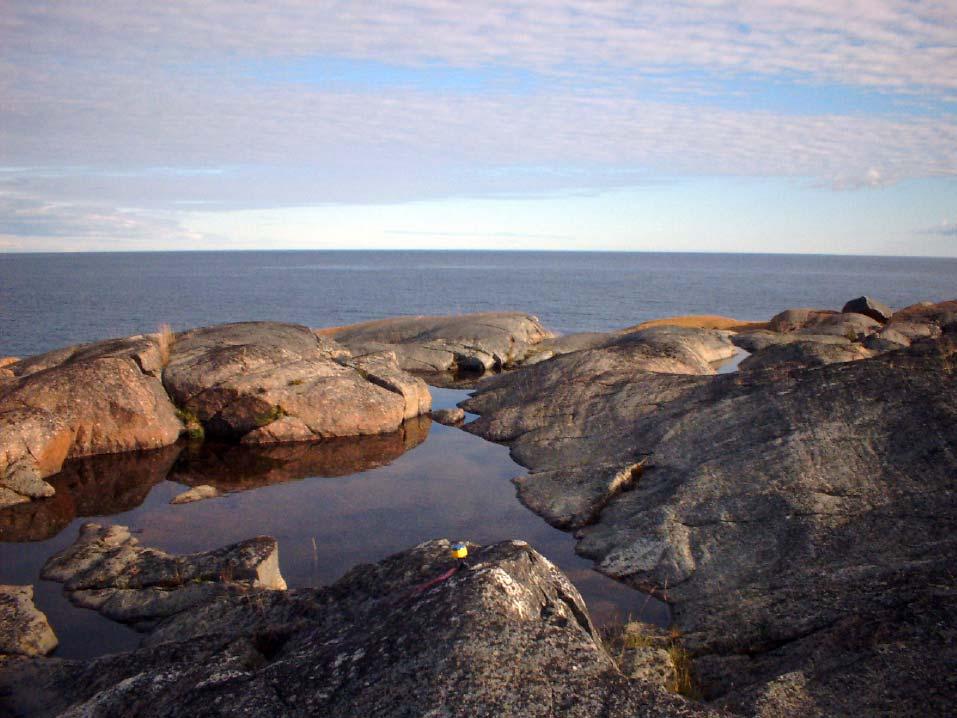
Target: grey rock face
506, 636
95, 399
758, 341
23, 629
869, 307
469, 342
107, 570
265, 382
800, 521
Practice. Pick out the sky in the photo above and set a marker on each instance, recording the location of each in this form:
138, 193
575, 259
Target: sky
804, 126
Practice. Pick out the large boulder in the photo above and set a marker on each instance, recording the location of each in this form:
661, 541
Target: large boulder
108, 570
97, 399
265, 382
467, 342
869, 307
23, 629
506, 635
802, 522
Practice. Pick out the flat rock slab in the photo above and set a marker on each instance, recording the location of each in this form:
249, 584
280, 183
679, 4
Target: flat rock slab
410, 636
467, 342
23, 628
266, 382
107, 570
801, 522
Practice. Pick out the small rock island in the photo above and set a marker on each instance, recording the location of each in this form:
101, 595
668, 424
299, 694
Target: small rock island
798, 515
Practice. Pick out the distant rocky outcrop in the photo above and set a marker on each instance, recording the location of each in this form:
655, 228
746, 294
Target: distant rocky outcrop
864, 328
801, 521
872, 308
506, 635
468, 342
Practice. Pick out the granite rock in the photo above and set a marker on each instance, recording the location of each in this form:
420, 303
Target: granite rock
23, 629
507, 635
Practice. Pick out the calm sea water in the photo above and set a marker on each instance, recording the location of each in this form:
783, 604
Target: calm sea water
333, 505
52, 300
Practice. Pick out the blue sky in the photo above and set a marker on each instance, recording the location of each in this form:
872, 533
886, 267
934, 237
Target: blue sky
773, 126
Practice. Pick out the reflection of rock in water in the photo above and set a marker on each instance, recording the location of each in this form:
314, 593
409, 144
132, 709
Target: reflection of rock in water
91, 486
112, 483
233, 467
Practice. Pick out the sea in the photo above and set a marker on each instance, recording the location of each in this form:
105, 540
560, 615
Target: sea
52, 300
333, 505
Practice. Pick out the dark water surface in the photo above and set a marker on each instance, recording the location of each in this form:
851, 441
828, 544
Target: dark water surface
336, 504
331, 505
51, 300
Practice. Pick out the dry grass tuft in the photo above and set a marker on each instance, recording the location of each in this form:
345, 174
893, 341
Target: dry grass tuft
165, 337
683, 682
699, 321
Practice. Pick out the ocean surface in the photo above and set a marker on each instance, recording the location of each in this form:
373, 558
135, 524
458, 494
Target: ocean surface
51, 300
332, 505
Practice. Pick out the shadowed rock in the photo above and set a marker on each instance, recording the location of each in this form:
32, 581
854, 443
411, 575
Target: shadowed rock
869, 307
265, 382
802, 522
107, 570
758, 341
95, 399
468, 342
506, 636
804, 354
23, 629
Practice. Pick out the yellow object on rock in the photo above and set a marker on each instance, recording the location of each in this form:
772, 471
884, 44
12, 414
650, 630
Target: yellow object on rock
459, 550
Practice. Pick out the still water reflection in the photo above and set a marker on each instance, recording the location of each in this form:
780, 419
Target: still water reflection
331, 506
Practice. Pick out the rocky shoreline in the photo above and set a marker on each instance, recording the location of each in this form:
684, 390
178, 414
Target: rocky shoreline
798, 515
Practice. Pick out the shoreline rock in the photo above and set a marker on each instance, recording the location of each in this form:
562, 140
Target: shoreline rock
507, 634
779, 511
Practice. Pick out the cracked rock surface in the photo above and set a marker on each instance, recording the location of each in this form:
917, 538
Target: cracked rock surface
266, 382
801, 521
506, 636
